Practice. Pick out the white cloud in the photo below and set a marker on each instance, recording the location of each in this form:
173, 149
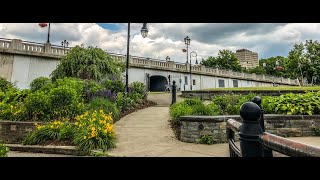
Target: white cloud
166, 39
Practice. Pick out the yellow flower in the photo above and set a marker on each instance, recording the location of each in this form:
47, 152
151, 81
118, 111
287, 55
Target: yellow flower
101, 111
76, 123
93, 128
84, 137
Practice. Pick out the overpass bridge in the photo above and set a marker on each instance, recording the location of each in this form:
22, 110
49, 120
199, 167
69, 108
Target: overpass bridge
23, 61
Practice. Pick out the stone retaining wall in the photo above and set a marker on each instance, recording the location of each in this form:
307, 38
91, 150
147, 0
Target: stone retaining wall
13, 132
193, 127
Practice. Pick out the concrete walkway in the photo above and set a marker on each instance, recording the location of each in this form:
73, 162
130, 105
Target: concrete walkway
147, 133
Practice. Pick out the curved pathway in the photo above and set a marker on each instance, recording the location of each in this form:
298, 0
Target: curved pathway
147, 133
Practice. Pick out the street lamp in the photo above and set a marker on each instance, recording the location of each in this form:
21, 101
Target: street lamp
194, 54
64, 43
44, 25
167, 58
144, 34
187, 42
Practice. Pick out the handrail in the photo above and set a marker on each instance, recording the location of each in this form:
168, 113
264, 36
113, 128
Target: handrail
232, 127
289, 147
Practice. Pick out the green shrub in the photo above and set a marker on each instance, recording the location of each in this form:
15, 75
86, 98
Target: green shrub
65, 102
37, 106
53, 131
114, 86
13, 112
205, 110
3, 150
94, 130
179, 109
138, 87
105, 105
206, 139
74, 83
124, 102
4, 84
192, 101
91, 86
38, 83
316, 130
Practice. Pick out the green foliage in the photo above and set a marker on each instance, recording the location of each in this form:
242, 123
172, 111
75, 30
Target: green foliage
88, 63
38, 83
139, 88
3, 150
105, 105
91, 86
291, 104
65, 102
53, 131
192, 107
124, 102
4, 84
226, 59
37, 106
74, 83
114, 86
179, 109
316, 130
94, 130
206, 139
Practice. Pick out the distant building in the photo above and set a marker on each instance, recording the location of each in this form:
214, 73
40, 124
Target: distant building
248, 59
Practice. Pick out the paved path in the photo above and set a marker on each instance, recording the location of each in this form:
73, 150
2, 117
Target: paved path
163, 99
147, 133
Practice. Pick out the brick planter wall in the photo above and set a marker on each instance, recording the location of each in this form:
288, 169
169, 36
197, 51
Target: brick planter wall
193, 127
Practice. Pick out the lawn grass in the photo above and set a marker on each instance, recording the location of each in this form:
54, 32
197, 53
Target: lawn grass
277, 88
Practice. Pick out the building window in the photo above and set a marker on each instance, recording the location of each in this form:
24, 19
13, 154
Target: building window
186, 80
221, 83
235, 83
194, 82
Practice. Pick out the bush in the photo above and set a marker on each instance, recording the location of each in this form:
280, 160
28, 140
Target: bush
88, 63
139, 88
114, 86
192, 107
230, 104
15, 112
4, 84
206, 139
37, 106
91, 87
73, 83
65, 102
104, 93
94, 131
38, 83
179, 109
105, 105
124, 102
3, 150
54, 131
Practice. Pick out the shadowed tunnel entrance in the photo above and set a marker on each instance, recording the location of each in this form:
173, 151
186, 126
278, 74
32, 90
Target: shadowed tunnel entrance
158, 83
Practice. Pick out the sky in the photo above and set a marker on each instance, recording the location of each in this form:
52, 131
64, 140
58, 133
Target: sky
167, 39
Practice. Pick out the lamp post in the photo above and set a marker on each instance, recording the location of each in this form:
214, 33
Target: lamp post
64, 43
44, 25
167, 58
194, 54
187, 42
144, 34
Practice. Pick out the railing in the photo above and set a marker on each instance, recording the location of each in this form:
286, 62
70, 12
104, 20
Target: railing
232, 128
254, 142
49, 49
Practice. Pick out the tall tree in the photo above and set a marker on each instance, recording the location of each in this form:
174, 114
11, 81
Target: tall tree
88, 63
226, 59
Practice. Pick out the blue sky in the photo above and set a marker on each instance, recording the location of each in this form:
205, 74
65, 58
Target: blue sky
166, 39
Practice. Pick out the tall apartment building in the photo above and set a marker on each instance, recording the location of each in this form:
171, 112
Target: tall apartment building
248, 59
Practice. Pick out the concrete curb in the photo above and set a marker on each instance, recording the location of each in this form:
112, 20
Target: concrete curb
66, 150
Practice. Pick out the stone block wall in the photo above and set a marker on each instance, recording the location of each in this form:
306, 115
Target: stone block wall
13, 132
193, 127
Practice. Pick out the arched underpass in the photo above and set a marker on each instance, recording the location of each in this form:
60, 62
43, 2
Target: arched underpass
158, 83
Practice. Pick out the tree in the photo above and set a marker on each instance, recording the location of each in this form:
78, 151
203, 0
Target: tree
226, 59
88, 63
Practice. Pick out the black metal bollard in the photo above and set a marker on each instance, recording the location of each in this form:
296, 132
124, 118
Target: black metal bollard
250, 130
267, 152
174, 92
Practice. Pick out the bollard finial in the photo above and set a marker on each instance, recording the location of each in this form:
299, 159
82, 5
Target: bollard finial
257, 100
250, 111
